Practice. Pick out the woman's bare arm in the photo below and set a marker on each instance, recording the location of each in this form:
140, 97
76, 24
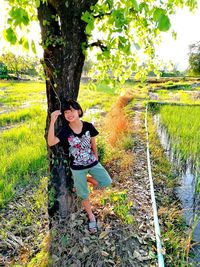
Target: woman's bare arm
94, 146
52, 140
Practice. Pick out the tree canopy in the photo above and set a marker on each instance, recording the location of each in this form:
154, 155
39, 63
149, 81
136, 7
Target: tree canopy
123, 32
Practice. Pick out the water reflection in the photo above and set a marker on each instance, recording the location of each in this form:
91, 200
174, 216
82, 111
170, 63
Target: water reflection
186, 190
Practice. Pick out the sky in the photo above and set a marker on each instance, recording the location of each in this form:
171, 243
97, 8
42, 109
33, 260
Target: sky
184, 23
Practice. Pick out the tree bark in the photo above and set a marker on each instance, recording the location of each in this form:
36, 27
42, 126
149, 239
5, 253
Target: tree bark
62, 32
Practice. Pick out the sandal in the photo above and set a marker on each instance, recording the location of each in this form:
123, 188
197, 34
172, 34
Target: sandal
93, 227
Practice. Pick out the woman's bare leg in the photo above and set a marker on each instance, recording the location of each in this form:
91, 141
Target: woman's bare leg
92, 221
87, 206
91, 180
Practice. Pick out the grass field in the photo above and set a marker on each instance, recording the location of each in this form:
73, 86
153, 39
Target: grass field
14, 94
23, 158
23, 111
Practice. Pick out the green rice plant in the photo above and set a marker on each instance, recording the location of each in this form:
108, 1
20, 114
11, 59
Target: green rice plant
183, 124
23, 157
174, 232
180, 96
197, 186
92, 98
177, 85
20, 115
16, 93
169, 83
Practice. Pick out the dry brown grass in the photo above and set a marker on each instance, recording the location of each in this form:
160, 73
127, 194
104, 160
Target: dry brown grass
127, 161
119, 129
116, 122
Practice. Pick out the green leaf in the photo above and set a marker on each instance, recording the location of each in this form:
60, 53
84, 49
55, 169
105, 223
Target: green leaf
106, 53
158, 13
174, 35
87, 17
145, 22
45, 22
144, 6
135, 5
10, 35
89, 27
134, 67
92, 86
33, 47
122, 39
119, 20
37, 2
164, 23
25, 44
64, 240
19, 16
127, 49
110, 3
21, 40
9, 21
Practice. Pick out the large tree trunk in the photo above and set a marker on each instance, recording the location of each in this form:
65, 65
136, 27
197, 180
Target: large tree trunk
62, 33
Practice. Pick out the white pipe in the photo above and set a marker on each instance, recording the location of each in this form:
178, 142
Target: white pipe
155, 215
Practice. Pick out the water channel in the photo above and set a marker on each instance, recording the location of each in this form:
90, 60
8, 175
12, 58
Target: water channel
188, 173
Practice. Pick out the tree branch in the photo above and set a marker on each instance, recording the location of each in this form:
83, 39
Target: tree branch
102, 15
52, 3
87, 4
98, 43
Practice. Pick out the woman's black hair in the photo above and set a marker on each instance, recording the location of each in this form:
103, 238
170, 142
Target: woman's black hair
68, 104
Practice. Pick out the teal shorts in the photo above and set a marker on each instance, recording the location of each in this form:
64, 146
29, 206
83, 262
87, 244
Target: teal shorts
80, 181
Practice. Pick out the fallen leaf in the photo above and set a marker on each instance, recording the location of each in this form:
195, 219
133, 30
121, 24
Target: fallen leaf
104, 253
103, 235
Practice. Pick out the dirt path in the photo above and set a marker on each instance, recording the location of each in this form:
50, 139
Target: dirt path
141, 185
116, 244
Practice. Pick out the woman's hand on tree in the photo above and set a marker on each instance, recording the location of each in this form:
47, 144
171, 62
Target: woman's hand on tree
54, 115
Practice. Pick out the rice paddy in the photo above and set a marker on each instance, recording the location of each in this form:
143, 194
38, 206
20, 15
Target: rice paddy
177, 116
183, 126
16, 94
20, 115
175, 92
23, 158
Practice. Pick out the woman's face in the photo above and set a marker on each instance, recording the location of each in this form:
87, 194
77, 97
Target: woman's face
72, 114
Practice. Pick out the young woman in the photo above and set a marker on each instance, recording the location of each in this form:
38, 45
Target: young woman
78, 137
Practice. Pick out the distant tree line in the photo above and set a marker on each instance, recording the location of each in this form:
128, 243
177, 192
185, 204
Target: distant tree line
194, 59
16, 66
